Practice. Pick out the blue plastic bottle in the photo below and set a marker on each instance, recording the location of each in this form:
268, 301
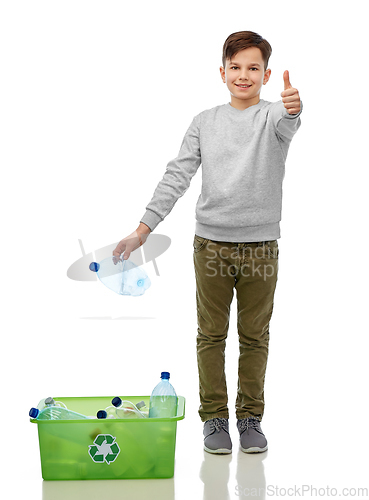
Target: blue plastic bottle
163, 400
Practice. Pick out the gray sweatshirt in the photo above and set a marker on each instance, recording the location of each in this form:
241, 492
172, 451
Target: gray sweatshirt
243, 155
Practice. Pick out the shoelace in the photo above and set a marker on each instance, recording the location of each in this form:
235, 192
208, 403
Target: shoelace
249, 423
219, 424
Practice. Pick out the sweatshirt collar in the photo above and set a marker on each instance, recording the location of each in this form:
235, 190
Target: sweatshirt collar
243, 112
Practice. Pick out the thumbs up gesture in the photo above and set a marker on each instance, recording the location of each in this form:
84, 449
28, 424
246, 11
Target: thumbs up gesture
290, 96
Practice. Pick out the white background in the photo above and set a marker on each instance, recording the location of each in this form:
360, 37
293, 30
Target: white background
95, 100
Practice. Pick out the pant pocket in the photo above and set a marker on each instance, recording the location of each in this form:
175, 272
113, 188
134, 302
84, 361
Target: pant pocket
199, 243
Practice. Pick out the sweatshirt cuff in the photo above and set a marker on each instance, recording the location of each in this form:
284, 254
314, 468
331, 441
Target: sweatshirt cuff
151, 219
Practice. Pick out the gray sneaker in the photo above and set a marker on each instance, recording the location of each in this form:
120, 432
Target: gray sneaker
216, 436
252, 439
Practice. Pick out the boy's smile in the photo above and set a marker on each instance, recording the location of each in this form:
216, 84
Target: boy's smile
244, 75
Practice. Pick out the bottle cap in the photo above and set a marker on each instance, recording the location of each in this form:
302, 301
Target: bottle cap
165, 375
116, 402
94, 266
34, 412
101, 414
49, 401
140, 404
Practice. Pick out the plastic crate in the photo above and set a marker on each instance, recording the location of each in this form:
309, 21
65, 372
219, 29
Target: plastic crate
134, 448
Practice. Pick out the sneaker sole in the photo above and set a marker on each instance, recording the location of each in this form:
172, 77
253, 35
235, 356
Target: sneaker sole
219, 451
254, 449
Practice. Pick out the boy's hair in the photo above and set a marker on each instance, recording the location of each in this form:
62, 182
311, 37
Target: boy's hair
243, 40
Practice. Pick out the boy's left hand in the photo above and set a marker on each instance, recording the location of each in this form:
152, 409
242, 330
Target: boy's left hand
290, 96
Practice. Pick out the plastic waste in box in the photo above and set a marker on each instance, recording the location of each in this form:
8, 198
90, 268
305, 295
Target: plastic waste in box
91, 448
121, 276
122, 409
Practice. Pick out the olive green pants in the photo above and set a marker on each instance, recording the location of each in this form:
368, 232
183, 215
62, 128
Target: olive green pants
251, 269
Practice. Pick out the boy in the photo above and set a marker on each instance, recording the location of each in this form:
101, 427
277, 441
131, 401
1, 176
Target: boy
242, 146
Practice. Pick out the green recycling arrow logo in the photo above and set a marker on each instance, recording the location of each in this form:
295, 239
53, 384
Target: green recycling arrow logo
104, 449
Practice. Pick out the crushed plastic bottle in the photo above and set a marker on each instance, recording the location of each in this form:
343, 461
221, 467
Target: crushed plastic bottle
121, 276
163, 400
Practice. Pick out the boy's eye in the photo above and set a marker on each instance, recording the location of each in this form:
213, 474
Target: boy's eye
236, 67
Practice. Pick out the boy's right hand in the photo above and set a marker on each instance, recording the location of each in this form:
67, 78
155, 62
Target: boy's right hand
132, 242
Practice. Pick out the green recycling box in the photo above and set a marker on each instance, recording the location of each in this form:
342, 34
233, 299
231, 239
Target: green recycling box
132, 448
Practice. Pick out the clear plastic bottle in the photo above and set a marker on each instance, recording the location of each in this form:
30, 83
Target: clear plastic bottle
55, 413
163, 400
126, 409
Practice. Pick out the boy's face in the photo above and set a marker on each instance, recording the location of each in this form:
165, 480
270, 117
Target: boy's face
244, 76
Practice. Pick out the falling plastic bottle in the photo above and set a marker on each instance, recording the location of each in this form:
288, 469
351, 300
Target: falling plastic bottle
121, 276
163, 400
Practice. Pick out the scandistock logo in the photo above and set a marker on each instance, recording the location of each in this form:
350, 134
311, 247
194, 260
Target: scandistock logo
156, 245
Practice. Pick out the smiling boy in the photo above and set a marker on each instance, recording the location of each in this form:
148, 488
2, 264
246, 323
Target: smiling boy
242, 147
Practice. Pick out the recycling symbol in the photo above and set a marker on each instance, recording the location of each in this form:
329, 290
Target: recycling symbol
104, 449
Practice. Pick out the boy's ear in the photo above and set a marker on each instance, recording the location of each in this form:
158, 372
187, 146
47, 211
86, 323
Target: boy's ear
222, 73
267, 76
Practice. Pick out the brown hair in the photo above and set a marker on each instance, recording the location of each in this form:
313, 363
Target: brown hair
243, 40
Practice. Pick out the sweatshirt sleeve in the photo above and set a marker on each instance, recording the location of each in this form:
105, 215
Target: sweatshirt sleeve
177, 177
285, 125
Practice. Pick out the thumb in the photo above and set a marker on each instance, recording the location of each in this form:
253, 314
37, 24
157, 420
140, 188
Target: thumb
286, 79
